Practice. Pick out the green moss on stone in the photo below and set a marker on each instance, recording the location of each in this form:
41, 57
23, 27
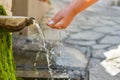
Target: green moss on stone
7, 66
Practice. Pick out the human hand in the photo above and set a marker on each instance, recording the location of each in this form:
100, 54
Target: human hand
62, 19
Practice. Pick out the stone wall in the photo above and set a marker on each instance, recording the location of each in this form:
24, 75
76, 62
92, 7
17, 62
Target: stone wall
109, 3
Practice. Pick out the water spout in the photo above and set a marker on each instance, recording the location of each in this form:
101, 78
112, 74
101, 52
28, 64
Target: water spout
14, 23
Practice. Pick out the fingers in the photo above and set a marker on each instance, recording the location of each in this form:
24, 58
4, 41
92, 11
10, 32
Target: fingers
60, 25
54, 20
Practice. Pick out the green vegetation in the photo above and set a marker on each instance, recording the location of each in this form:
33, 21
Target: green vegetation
7, 66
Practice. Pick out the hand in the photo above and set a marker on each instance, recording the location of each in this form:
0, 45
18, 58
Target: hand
62, 19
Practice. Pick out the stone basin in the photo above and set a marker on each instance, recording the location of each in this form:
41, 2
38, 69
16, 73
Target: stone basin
14, 23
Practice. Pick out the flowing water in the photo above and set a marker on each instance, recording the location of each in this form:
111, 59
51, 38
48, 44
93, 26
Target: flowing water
48, 52
42, 37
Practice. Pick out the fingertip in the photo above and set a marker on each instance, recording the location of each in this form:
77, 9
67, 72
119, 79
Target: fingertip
50, 23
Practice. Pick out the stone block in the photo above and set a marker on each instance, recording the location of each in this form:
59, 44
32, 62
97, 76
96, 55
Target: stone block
111, 40
86, 35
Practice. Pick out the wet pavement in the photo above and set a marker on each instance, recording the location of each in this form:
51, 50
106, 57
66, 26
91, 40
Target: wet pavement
92, 32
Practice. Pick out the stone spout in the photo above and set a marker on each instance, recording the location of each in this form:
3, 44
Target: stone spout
15, 23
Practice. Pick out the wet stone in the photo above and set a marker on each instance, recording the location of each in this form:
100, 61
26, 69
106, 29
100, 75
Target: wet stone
93, 62
100, 46
105, 29
80, 42
86, 35
111, 40
108, 22
116, 32
71, 57
98, 54
86, 27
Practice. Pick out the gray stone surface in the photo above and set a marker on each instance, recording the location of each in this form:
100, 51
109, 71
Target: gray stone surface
111, 40
71, 57
93, 62
82, 43
99, 73
86, 35
98, 53
100, 46
105, 29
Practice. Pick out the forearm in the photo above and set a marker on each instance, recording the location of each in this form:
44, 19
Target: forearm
80, 5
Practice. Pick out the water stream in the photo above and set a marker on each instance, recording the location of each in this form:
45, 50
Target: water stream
44, 45
49, 52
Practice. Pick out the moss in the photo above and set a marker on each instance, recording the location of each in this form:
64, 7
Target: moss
2, 10
20, 79
7, 67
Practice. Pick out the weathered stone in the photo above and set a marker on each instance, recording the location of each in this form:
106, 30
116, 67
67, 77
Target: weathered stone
111, 40
88, 53
98, 73
98, 53
73, 28
87, 27
93, 62
71, 57
86, 35
105, 29
12, 23
100, 46
116, 32
108, 22
79, 42
117, 26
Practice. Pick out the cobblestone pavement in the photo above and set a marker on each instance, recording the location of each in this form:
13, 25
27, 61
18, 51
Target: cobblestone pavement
92, 33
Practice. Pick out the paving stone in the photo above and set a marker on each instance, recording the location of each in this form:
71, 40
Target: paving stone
73, 28
110, 40
117, 26
87, 27
81, 48
100, 46
82, 43
71, 57
105, 29
116, 32
98, 54
98, 73
86, 35
108, 22
93, 62
88, 53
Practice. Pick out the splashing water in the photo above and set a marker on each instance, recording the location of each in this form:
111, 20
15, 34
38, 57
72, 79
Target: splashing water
49, 52
42, 37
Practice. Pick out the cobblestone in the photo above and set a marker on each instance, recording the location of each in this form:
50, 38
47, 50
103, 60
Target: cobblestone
86, 35
80, 42
111, 40
100, 46
93, 62
105, 29
98, 54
